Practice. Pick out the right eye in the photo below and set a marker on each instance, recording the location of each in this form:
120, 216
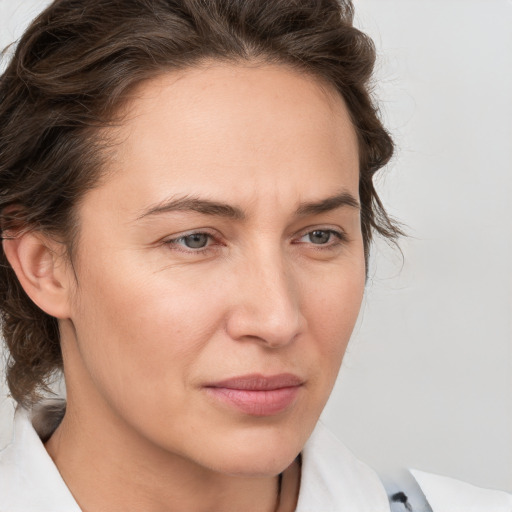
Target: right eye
194, 242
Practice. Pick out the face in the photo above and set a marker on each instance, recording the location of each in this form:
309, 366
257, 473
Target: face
220, 266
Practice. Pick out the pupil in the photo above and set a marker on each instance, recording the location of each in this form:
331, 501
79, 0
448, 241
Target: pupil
320, 237
196, 241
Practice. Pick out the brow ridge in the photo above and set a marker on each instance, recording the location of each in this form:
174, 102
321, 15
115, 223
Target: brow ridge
218, 209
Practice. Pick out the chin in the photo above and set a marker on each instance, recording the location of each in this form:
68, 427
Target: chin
258, 452
253, 464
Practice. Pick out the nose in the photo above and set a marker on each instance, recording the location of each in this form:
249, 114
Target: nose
267, 303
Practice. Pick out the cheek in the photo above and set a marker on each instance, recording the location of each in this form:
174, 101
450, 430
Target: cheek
146, 326
332, 310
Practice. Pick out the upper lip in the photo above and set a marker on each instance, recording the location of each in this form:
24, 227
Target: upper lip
258, 382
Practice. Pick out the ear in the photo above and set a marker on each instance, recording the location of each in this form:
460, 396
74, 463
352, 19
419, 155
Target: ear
42, 270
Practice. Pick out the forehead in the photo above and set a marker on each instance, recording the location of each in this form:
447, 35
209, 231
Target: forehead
225, 128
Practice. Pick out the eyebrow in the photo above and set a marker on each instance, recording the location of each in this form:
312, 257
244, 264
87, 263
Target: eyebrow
328, 204
217, 209
195, 204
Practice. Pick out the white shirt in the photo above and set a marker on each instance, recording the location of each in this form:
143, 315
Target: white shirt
332, 480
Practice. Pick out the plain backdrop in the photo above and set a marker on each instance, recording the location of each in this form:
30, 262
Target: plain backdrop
427, 379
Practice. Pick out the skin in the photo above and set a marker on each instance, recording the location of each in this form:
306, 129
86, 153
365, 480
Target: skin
146, 321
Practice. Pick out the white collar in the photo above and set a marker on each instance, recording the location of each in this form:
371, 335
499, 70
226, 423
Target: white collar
29, 480
332, 480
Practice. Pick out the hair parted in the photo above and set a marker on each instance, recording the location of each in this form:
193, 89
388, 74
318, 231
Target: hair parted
70, 74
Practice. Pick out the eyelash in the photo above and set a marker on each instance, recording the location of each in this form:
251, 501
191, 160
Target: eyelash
340, 235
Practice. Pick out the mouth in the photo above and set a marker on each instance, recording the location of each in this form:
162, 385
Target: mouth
257, 395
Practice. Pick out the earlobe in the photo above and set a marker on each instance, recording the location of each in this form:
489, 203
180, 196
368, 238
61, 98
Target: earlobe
40, 266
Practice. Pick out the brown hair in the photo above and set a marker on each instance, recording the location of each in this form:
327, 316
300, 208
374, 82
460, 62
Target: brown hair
72, 69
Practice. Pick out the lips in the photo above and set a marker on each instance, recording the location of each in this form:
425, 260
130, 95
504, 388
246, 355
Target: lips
257, 395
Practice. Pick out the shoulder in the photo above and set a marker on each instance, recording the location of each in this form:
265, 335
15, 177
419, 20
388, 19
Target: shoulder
451, 495
334, 480
418, 491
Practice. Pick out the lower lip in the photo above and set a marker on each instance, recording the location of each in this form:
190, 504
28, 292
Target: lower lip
257, 402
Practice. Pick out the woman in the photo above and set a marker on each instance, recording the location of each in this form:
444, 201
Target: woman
187, 209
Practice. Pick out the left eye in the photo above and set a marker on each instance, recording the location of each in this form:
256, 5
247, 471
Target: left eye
319, 236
